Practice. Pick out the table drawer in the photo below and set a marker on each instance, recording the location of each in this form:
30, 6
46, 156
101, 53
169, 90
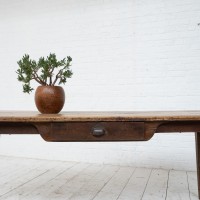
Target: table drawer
96, 131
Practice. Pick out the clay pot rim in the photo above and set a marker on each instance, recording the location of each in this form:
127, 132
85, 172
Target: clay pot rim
50, 86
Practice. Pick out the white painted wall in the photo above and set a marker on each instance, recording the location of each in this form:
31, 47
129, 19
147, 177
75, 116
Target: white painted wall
127, 55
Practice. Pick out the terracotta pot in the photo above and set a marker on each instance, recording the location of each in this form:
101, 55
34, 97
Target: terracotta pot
49, 99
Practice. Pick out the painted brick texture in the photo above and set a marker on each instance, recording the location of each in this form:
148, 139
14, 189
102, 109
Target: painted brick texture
127, 55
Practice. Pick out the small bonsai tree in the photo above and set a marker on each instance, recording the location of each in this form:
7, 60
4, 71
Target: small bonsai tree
47, 71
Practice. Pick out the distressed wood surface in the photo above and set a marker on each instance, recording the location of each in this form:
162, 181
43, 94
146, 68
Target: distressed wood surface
34, 179
31, 116
178, 186
156, 188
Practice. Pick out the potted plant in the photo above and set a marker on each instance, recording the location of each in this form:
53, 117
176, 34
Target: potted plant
48, 72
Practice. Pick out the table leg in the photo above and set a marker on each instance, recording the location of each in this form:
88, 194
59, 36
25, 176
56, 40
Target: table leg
197, 137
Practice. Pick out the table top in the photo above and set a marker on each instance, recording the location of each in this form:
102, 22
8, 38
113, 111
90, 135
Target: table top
31, 116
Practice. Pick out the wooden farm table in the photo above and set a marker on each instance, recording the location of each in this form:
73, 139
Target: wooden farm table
102, 126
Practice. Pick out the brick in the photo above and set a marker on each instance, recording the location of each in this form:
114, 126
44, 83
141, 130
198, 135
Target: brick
127, 55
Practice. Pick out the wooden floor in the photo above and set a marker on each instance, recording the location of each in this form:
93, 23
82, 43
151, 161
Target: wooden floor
31, 179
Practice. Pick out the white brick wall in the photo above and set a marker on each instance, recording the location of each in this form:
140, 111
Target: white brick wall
127, 55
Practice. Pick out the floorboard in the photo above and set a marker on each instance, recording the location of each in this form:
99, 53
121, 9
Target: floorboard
178, 187
136, 186
157, 185
192, 181
34, 179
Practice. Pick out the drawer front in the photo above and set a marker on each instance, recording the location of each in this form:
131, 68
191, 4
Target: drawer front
96, 131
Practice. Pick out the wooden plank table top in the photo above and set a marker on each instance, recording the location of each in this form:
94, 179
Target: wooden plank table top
32, 116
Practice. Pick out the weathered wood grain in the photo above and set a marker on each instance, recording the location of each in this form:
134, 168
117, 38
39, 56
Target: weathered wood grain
31, 116
43, 179
178, 186
156, 186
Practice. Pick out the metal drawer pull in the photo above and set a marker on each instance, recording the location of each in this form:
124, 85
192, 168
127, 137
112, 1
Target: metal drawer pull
97, 132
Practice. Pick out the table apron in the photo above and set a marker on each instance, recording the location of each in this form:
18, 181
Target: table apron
98, 131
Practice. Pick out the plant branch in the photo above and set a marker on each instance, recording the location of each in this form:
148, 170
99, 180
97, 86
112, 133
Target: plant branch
34, 78
38, 79
50, 75
57, 77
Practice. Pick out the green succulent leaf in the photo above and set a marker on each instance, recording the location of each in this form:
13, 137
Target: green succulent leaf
27, 88
43, 71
